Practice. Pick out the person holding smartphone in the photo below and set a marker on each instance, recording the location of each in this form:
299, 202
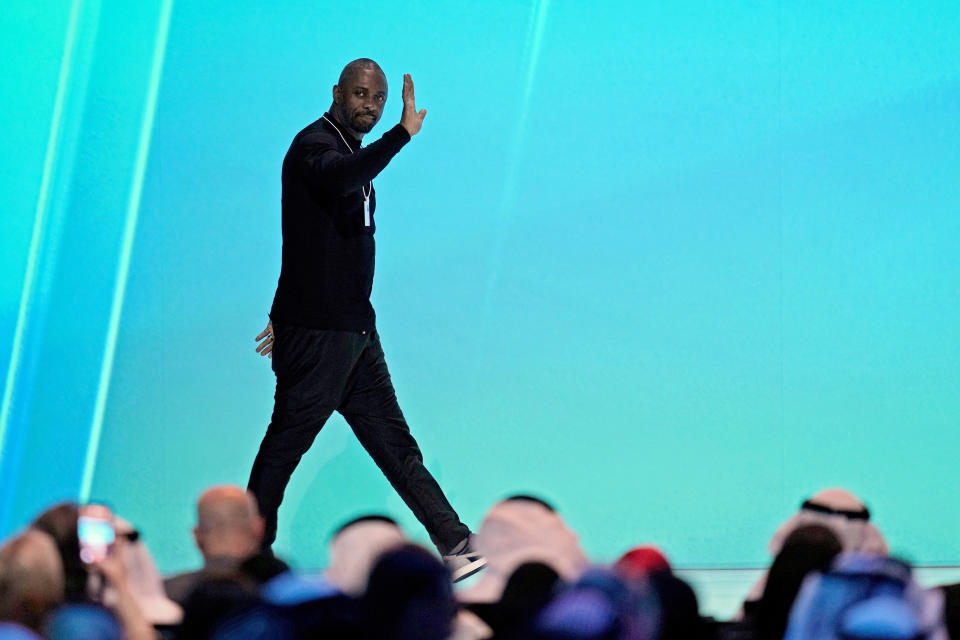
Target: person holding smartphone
92, 556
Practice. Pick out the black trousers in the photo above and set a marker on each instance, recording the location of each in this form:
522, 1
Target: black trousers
322, 371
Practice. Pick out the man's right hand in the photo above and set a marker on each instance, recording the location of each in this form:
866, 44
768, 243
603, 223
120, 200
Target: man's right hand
265, 348
411, 120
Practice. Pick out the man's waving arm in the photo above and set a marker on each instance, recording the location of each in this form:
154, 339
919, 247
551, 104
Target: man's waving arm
338, 173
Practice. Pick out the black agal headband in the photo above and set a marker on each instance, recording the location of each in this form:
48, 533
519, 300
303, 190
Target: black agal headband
860, 514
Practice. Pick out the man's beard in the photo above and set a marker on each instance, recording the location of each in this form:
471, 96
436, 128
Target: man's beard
362, 124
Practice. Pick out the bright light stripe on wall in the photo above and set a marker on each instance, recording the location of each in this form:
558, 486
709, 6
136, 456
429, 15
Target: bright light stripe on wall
508, 194
534, 59
126, 248
39, 221
510, 180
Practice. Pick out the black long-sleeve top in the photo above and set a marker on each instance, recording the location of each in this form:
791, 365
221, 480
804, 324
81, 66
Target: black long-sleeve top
326, 274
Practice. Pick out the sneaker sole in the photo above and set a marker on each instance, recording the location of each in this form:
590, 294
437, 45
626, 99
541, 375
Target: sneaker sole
468, 570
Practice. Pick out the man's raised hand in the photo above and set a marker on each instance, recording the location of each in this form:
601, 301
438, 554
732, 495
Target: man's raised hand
411, 120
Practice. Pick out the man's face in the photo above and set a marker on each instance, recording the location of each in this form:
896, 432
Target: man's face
360, 99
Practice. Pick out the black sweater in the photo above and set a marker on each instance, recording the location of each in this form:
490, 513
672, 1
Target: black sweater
326, 274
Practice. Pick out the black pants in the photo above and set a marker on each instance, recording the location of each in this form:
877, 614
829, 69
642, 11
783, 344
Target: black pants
319, 372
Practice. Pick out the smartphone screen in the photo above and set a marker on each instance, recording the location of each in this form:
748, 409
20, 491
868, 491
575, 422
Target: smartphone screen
96, 533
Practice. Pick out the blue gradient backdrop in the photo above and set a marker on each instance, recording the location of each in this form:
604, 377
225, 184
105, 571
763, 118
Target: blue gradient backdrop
673, 266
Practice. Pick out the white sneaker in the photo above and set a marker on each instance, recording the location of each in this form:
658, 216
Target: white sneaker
462, 561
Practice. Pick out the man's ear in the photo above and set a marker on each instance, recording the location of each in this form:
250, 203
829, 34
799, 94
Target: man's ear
198, 539
337, 94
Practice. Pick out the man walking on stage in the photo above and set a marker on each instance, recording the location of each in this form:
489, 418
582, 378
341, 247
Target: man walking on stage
322, 335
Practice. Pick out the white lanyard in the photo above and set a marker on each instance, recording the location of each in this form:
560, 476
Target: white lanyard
366, 192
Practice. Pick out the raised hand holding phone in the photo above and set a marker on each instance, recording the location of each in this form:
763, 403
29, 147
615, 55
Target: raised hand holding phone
96, 533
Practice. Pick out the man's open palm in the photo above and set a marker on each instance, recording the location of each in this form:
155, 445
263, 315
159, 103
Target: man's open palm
411, 119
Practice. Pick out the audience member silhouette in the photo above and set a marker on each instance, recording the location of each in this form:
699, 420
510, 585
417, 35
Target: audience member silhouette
356, 546
807, 549
840, 511
31, 579
409, 597
538, 586
528, 590
229, 530
60, 523
518, 530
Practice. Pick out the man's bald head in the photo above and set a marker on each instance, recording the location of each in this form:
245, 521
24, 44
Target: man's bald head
228, 523
356, 66
225, 506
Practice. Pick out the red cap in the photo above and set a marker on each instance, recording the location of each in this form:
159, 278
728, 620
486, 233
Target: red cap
642, 560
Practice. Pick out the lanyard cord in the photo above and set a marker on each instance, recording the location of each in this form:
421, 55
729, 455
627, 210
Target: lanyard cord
366, 192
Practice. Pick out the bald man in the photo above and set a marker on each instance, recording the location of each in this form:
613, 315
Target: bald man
322, 335
229, 530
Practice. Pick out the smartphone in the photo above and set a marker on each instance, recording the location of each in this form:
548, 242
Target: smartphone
96, 532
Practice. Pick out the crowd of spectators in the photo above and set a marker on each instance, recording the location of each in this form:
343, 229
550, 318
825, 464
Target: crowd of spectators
831, 578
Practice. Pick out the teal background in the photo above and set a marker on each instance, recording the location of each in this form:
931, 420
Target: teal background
672, 266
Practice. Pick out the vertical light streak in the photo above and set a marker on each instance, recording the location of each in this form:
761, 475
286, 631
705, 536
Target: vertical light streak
39, 223
533, 61
509, 193
126, 248
782, 425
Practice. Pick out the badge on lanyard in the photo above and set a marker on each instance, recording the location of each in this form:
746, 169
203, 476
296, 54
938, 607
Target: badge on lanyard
368, 190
